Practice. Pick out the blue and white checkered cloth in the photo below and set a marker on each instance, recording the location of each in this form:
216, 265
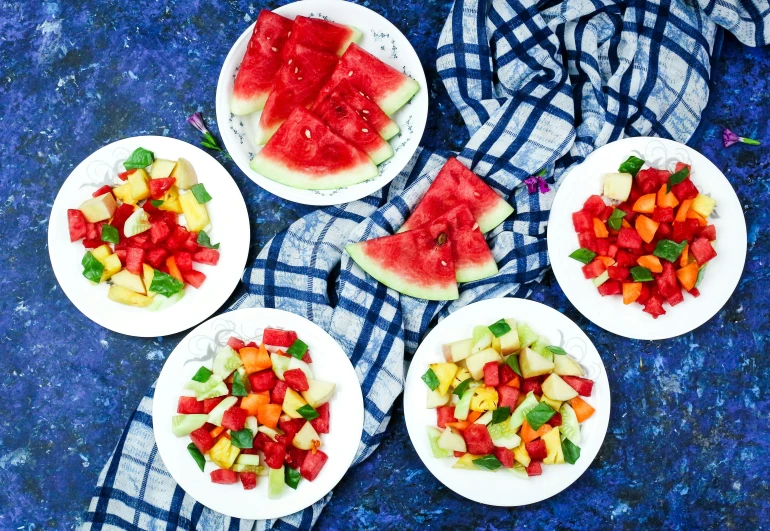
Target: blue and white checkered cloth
539, 85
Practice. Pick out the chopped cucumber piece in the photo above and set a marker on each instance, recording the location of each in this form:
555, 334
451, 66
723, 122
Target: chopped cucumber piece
517, 419
601, 279
503, 435
211, 388
216, 414
276, 483
482, 338
485, 419
237, 467
161, 302
280, 364
527, 336
182, 425
433, 436
294, 363
541, 347
252, 424
570, 427
519, 470
248, 459
226, 361
464, 404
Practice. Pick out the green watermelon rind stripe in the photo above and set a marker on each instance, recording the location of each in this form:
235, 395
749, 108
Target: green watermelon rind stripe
476, 272
494, 216
382, 154
280, 173
390, 130
398, 97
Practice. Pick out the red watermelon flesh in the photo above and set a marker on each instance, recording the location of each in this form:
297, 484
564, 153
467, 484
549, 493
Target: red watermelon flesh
417, 263
470, 252
296, 84
386, 86
260, 63
454, 185
323, 35
345, 121
305, 154
370, 112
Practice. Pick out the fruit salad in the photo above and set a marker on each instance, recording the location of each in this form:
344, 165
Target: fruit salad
134, 238
648, 237
507, 399
258, 411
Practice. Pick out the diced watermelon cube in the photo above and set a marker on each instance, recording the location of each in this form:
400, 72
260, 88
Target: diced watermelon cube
534, 469
306, 358
248, 479
235, 343
203, 440
106, 189
555, 421
587, 240
77, 224
506, 374
504, 455
685, 230
625, 258
709, 232
321, 424
602, 246
262, 380
612, 251
618, 272
90, 231
134, 260
532, 385
279, 392
183, 261
122, 255
224, 476
291, 426
629, 239
508, 396
296, 379
234, 418
445, 414
675, 297
294, 457
206, 256
140, 241
274, 454
491, 374
582, 385
159, 231
92, 243
536, 449
628, 208
594, 269
663, 214
313, 464
644, 296
154, 212
654, 306
124, 175
260, 441
583, 221
189, 405
171, 218
664, 232
155, 257
177, 238
605, 214
594, 205
279, 338
647, 181
194, 278
477, 439
611, 287
158, 187
123, 212
191, 243
211, 403
459, 454
695, 292
685, 190
702, 250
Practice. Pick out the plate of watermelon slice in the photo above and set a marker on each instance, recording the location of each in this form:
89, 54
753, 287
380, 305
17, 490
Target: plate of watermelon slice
647, 238
321, 102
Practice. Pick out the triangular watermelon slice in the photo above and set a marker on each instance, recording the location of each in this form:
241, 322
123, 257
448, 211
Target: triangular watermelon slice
323, 35
417, 263
260, 63
454, 185
369, 111
472, 258
343, 120
296, 84
386, 86
305, 154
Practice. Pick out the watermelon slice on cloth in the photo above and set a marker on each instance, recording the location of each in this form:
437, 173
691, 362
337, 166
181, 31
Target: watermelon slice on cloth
386, 86
260, 63
346, 122
305, 154
454, 185
296, 84
323, 35
472, 258
365, 107
417, 263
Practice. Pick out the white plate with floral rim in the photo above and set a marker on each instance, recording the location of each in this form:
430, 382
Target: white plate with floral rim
229, 228
502, 488
380, 38
721, 275
329, 364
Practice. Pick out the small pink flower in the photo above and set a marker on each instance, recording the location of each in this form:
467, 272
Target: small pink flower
729, 138
208, 141
536, 182
196, 120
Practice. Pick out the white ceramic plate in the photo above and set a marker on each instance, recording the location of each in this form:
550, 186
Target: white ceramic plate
721, 276
380, 38
230, 227
502, 488
329, 364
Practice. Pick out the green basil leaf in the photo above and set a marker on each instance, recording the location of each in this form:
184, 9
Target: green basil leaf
500, 328
297, 349
677, 178
110, 234
239, 389
92, 268
430, 379
165, 284
556, 350
202, 375
140, 158
460, 389
291, 477
616, 219
540, 415
197, 455
583, 255
487, 462
641, 274
242, 438
513, 363
156, 202
307, 412
632, 165
500, 414
669, 250
571, 451
200, 193
701, 274
204, 241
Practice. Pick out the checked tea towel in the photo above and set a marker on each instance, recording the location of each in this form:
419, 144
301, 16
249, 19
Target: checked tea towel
539, 85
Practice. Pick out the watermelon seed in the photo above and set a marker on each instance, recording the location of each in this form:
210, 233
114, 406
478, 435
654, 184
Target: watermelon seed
475, 226
288, 34
274, 49
296, 69
364, 111
476, 194
299, 79
307, 133
441, 240
443, 263
290, 60
350, 73
364, 130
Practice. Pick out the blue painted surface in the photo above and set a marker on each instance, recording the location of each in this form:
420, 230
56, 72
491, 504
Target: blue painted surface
688, 440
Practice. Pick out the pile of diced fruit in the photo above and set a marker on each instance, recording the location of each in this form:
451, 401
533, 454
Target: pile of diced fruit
651, 241
507, 398
257, 404
134, 238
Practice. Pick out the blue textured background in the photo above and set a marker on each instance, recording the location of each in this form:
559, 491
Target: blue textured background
688, 444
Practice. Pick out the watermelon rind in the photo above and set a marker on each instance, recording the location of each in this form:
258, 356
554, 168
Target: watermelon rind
399, 97
391, 279
279, 173
244, 106
390, 130
479, 272
355, 37
493, 217
382, 154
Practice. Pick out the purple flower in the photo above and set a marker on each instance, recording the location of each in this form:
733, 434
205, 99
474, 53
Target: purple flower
536, 182
729, 138
196, 120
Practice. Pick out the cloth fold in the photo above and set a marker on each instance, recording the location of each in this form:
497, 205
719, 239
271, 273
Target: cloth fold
539, 86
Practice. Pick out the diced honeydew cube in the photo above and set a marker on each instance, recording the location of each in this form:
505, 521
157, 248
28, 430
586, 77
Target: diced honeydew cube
237, 467
617, 186
306, 438
496, 343
509, 342
182, 425
557, 389
248, 459
126, 296
184, 173
292, 401
533, 364
436, 399
451, 441
294, 363
475, 363
458, 350
161, 168
99, 208
138, 183
129, 281
280, 364
276, 482
318, 393
226, 361
601, 279
433, 436
147, 276
565, 365
703, 205
482, 339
